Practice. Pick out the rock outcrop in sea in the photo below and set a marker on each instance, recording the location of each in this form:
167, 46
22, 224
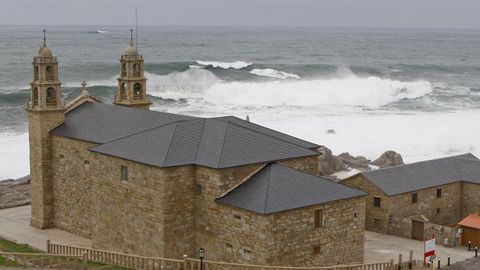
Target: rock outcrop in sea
388, 159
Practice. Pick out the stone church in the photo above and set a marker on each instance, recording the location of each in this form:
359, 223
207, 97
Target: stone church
159, 184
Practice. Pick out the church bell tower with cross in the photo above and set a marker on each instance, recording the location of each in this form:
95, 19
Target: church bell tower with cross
132, 84
45, 112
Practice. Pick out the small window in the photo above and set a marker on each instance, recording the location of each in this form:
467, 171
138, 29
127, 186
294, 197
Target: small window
247, 251
237, 216
86, 162
438, 211
61, 156
124, 172
376, 221
439, 192
198, 189
316, 249
318, 218
414, 198
228, 245
377, 202
355, 215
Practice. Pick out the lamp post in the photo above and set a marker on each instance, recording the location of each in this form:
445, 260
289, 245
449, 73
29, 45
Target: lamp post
201, 255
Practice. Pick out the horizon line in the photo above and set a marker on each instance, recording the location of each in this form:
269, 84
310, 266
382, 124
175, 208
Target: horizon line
255, 26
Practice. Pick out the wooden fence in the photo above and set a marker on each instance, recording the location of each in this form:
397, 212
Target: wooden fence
153, 263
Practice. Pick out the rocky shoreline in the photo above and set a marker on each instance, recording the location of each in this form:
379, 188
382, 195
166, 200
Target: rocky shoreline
16, 192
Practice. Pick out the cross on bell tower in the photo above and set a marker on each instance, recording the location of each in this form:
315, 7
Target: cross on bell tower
132, 84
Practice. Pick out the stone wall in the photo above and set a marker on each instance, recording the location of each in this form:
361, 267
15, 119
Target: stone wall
39, 125
471, 199
73, 170
428, 204
340, 238
149, 214
376, 218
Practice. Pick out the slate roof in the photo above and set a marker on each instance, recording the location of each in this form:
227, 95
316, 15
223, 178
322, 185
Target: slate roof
165, 140
277, 188
426, 174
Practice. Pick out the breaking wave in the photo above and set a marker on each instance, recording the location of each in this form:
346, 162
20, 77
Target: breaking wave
268, 72
224, 65
345, 90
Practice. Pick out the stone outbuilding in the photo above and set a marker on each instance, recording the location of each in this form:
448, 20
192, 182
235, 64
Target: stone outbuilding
422, 198
163, 185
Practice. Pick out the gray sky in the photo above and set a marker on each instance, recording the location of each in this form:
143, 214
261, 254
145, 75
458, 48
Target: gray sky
359, 13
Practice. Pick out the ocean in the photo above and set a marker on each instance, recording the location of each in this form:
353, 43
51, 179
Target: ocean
415, 91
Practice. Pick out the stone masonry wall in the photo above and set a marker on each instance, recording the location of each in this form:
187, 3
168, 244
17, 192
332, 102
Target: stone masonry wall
39, 125
340, 239
148, 214
72, 175
376, 218
448, 205
471, 199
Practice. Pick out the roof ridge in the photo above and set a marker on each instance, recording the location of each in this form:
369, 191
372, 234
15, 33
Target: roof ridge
273, 136
170, 144
267, 134
223, 145
415, 163
268, 188
200, 141
147, 130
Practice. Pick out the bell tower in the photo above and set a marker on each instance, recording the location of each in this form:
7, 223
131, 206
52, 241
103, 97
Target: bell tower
45, 112
132, 85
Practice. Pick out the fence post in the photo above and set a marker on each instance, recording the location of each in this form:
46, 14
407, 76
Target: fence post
391, 264
410, 260
84, 261
185, 262
399, 261
48, 245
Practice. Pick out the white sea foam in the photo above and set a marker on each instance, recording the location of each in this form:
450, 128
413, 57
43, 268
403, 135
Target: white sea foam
268, 72
346, 90
14, 155
225, 65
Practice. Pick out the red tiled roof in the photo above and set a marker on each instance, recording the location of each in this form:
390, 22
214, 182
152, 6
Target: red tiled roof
472, 221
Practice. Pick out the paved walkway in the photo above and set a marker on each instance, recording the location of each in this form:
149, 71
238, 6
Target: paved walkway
383, 247
15, 226
472, 264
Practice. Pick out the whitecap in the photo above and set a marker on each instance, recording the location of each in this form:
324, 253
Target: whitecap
268, 72
225, 65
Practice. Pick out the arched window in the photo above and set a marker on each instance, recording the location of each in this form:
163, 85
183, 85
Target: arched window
36, 73
123, 91
136, 70
51, 97
137, 91
49, 73
35, 96
124, 70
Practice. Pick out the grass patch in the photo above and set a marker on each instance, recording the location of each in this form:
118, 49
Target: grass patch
9, 246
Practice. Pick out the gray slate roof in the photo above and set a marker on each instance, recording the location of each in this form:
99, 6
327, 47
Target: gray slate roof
165, 140
426, 174
277, 188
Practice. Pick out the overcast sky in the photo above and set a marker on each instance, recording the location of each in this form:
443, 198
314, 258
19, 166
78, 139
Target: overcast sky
343, 13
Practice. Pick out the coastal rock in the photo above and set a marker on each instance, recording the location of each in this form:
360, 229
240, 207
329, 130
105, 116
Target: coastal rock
327, 162
388, 159
15, 192
358, 162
